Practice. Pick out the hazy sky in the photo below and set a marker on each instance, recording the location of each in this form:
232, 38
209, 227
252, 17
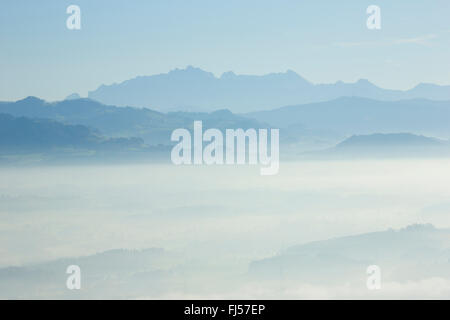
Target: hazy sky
324, 41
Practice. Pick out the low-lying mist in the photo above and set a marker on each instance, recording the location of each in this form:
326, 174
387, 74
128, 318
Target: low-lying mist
210, 225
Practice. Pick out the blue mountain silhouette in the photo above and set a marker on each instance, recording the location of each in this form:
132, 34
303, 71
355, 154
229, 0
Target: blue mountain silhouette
195, 89
25, 134
152, 126
353, 115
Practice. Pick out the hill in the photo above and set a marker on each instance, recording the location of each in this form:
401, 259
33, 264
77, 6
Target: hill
352, 116
392, 140
413, 253
25, 134
153, 127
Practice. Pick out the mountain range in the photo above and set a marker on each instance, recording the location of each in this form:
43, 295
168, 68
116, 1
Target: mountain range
119, 122
342, 126
354, 115
193, 89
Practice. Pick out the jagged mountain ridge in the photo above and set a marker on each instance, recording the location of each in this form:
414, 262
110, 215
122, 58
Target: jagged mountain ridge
195, 89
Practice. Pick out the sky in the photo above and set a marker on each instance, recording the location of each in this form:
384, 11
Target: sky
323, 41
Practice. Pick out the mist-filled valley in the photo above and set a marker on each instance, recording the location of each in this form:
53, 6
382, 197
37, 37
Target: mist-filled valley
165, 231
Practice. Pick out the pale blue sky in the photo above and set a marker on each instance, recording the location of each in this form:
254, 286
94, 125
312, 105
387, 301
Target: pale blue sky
323, 41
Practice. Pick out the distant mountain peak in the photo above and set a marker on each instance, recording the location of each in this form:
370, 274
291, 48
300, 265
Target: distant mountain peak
73, 96
222, 112
290, 72
364, 82
427, 85
31, 99
191, 71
